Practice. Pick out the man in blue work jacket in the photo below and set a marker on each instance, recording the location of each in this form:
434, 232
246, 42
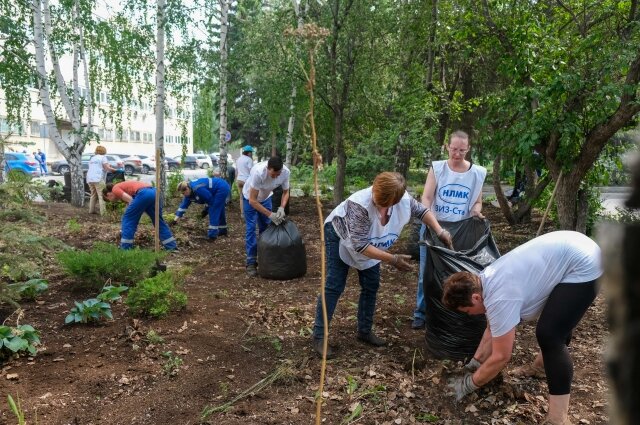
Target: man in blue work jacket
210, 191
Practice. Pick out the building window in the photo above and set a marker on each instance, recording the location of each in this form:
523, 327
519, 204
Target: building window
134, 136
35, 129
122, 135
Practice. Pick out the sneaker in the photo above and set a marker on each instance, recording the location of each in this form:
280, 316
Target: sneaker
252, 270
317, 345
418, 323
371, 339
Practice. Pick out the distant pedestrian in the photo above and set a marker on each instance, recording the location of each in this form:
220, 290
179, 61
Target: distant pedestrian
141, 198
96, 177
212, 192
244, 164
43, 162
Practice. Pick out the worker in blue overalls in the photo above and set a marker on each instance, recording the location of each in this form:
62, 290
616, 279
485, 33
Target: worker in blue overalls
210, 191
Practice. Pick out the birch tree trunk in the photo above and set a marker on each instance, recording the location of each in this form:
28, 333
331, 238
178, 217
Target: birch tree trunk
159, 111
294, 91
71, 153
224, 30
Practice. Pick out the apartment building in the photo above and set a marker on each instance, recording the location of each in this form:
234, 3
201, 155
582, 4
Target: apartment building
137, 135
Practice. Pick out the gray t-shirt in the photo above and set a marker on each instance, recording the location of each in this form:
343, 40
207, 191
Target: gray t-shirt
516, 286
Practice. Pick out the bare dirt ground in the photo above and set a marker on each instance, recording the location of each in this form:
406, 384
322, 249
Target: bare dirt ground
237, 331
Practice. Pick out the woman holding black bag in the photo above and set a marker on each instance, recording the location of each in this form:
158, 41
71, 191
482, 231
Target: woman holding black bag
358, 233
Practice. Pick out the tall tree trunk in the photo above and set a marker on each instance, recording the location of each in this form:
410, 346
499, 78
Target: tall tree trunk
341, 157
294, 90
161, 177
403, 156
224, 31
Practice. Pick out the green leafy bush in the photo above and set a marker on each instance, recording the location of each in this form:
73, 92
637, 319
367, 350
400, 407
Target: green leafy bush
106, 262
18, 340
112, 293
30, 289
173, 179
157, 296
91, 310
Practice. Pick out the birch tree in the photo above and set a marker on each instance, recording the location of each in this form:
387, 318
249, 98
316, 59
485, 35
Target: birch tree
224, 31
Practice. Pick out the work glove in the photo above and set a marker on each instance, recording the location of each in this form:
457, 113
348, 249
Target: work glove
462, 386
472, 366
205, 212
445, 238
281, 214
275, 219
401, 262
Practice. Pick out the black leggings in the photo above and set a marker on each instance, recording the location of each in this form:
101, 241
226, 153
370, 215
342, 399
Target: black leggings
565, 306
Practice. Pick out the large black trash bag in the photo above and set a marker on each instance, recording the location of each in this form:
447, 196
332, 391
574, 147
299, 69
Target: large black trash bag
450, 334
281, 252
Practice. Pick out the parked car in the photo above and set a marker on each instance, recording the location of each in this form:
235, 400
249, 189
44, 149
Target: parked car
215, 157
132, 163
21, 163
190, 161
148, 163
203, 160
172, 164
62, 166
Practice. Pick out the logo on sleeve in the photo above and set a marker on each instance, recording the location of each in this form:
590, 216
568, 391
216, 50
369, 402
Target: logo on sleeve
456, 194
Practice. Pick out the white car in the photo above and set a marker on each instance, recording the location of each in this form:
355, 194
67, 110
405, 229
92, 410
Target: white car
148, 163
203, 160
215, 157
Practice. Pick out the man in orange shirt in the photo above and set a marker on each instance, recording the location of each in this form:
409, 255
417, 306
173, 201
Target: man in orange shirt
141, 198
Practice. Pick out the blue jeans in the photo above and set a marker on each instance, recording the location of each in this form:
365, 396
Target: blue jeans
251, 216
421, 309
337, 271
144, 202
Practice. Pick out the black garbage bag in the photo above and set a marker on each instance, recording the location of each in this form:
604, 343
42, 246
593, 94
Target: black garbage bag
450, 334
281, 252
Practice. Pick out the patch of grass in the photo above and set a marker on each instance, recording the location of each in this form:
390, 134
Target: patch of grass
400, 299
107, 262
74, 226
172, 365
154, 337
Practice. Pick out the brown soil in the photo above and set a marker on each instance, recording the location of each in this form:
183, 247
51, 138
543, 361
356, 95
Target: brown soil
236, 331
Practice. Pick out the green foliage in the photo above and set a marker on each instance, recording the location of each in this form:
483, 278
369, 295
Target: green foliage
28, 253
157, 296
172, 364
112, 293
625, 216
107, 262
352, 385
19, 191
173, 180
355, 414
19, 340
74, 226
427, 417
154, 337
16, 409
307, 189
91, 310
30, 289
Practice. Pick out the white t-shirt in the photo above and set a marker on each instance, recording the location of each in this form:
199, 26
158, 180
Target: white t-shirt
243, 167
259, 179
382, 237
516, 286
456, 192
96, 173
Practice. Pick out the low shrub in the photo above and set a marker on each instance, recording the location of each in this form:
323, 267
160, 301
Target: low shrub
91, 310
30, 289
107, 262
158, 295
19, 340
112, 293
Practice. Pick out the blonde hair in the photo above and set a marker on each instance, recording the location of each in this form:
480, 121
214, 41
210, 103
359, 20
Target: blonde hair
388, 189
183, 185
100, 150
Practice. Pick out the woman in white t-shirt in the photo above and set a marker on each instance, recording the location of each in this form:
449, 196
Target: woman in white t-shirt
551, 278
96, 176
358, 233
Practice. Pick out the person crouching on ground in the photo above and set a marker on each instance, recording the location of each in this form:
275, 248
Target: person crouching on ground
358, 232
552, 278
256, 194
212, 192
141, 198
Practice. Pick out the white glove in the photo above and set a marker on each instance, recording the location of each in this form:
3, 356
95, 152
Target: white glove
281, 214
463, 386
472, 366
275, 219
